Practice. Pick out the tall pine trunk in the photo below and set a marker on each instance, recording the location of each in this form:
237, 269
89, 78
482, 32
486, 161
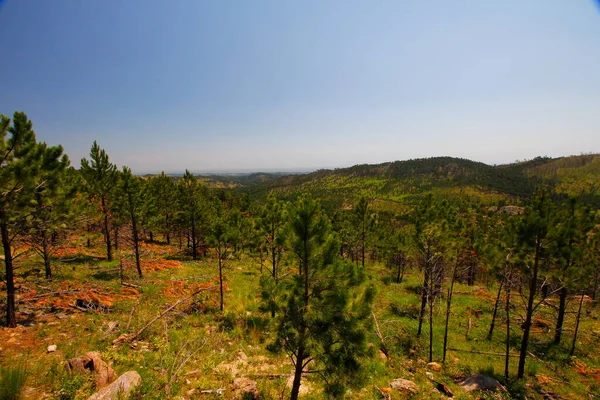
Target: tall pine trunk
298, 370
46, 255
300, 354
448, 305
424, 294
193, 238
136, 243
507, 343
529, 315
222, 305
431, 329
106, 230
577, 325
495, 312
562, 307
11, 319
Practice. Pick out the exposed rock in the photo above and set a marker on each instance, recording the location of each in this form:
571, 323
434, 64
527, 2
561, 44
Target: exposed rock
112, 325
434, 366
404, 386
121, 338
120, 388
480, 382
242, 356
234, 367
52, 348
244, 388
92, 362
444, 389
430, 376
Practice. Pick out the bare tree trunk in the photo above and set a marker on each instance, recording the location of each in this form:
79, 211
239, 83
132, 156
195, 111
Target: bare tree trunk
106, 231
194, 243
431, 329
472, 271
89, 229
448, 305
424, 296
46, 255
529, 315
506, 360
222, 306
401, 267
136, 243
562, 306
11, 319
577, 325
298, 371
495, 312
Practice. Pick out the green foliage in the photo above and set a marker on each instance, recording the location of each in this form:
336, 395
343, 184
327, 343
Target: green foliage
324, 311
12, 381
100, 180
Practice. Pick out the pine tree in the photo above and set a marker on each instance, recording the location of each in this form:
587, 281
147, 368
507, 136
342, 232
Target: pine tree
160, 209
533, 237
569, 246
22, 164
364, 223
53, 205
220, 239
130, 199
194, 200
324, 313
271, 223
100, 177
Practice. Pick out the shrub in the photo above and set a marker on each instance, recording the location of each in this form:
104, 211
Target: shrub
12, 380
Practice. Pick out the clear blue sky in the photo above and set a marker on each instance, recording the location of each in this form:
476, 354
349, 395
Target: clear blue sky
280, 85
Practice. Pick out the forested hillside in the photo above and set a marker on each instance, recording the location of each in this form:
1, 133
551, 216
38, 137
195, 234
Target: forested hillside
455, 178
437, 277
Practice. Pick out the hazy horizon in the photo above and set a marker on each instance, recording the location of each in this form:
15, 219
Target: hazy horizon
209, 172
299, 86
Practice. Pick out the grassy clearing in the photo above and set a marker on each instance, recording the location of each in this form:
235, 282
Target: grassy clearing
197, 348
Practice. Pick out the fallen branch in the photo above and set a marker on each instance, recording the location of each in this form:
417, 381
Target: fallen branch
380, 336
218, 391
131, 313
178, 302
483, 352
39, 296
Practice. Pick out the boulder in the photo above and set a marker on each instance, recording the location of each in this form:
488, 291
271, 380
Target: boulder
434, 366
91, 362
480, 382
51, 348
244, 388
404, 386
120, 388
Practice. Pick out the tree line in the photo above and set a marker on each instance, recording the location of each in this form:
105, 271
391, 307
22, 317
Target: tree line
315, 261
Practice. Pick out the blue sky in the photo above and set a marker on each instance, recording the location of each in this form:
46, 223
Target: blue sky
299, 85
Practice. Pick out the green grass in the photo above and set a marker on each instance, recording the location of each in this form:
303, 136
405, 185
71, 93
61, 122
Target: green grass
206, 339
12, 381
